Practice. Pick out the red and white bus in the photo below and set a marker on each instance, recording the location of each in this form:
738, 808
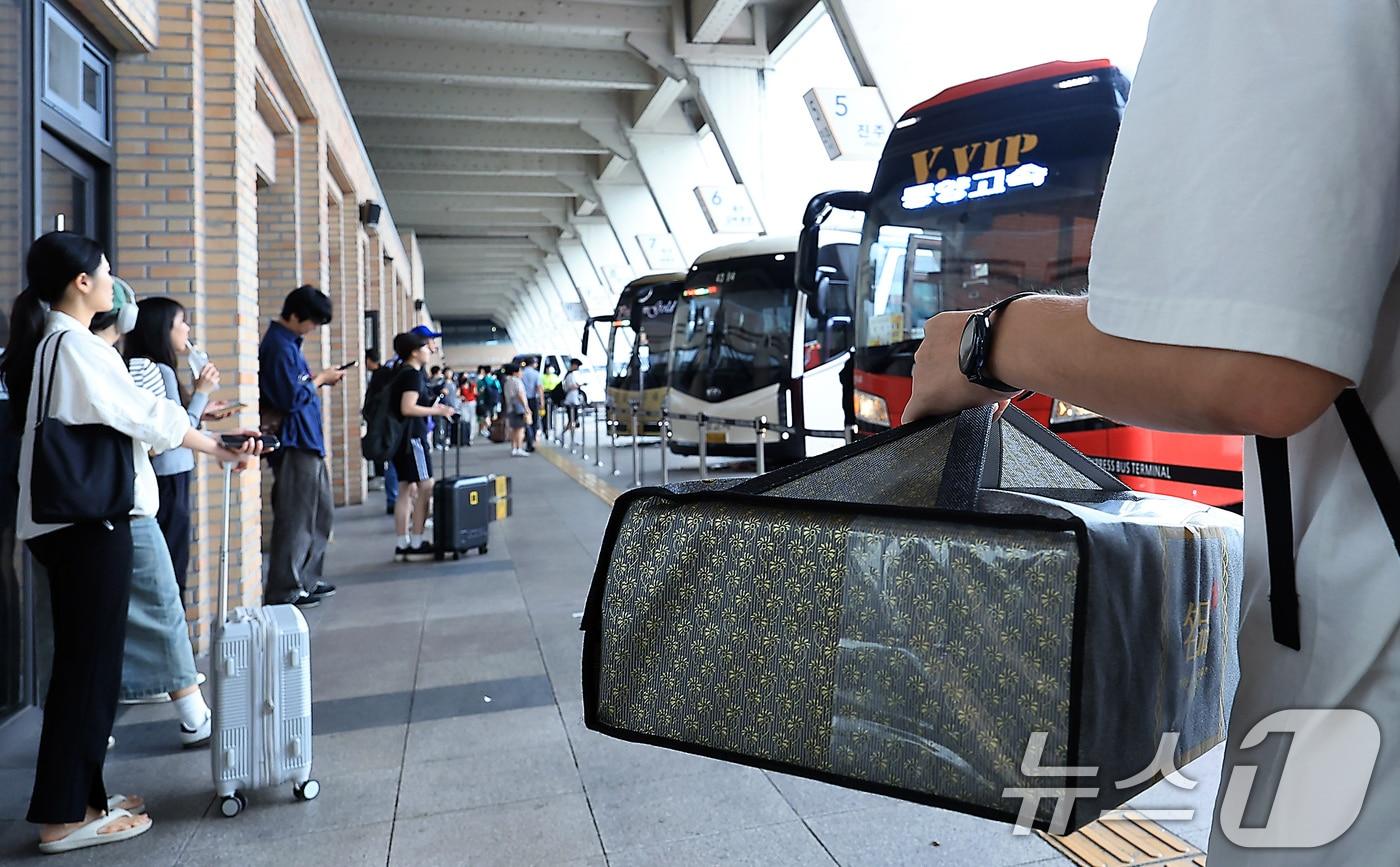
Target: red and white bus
988, 189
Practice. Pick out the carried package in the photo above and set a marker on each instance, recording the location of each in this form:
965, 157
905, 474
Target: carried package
965, 612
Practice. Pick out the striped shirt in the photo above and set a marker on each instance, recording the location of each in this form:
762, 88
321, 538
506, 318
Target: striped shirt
147, 375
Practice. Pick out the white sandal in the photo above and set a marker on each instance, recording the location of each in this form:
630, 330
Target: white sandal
114, 802
89, 834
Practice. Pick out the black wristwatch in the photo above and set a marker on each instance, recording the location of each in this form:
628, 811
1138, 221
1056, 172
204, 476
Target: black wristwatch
975, 351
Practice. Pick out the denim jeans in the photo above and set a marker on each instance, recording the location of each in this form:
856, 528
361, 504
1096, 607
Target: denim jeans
158, 655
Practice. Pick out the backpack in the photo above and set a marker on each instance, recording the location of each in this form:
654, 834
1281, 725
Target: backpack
383, 427
557, 393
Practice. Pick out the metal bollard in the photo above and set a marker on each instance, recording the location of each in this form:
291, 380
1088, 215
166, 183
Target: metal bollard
636, 446
665, 449
702, 426
597, 441
612, 434
760, 428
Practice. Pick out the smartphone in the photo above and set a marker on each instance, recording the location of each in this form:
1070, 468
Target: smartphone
347, 365
236, 405
236, 441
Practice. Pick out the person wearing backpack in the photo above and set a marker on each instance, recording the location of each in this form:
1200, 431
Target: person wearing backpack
1255, 296
412, 400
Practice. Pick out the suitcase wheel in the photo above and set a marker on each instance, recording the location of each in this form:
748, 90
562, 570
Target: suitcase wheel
307, 791
481, 550
233, 805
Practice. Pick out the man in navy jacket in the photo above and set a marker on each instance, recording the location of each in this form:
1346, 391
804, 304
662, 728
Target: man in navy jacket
302, 509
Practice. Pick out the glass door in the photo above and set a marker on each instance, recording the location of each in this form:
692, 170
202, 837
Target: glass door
68, 191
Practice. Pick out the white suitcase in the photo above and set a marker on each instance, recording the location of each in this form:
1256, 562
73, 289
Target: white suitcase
261, 670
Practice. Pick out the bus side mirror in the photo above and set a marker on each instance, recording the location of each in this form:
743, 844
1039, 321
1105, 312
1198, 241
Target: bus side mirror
587, 331
809, 240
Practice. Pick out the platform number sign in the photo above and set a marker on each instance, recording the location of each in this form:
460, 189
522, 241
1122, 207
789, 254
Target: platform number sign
728, 209
852, 123
661, 252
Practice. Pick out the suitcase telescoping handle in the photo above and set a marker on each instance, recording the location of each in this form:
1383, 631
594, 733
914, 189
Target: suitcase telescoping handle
223, 549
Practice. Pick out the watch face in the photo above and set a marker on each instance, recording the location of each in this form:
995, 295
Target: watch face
970, 338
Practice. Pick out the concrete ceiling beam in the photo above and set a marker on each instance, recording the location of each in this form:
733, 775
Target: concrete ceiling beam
407, 60
448, 102
494, 138
575, 16
391, 159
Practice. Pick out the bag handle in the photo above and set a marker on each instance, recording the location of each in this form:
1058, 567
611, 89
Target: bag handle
46, 398
1277, 492
974, 456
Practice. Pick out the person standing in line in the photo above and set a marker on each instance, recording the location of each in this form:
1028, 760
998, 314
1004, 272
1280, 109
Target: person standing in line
158, 660
302, 509
380, 376
467, 391
88, 565
518, 409
416, 402
1217, 306
550, 376
531, 378
152, 349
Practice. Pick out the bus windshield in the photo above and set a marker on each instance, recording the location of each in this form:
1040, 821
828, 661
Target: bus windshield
958, 226
734, 329
642, 337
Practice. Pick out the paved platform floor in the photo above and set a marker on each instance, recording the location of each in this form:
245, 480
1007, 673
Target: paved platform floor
449, 731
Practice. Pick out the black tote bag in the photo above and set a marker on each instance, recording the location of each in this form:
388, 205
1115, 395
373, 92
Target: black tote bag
82, 473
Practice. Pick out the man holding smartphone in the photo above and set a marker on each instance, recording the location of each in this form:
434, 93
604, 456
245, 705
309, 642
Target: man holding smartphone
302, 508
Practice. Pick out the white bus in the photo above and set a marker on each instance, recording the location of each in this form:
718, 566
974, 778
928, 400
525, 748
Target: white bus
748, 344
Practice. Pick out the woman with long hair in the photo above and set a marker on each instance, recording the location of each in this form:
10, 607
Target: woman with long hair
153, 350
89, 564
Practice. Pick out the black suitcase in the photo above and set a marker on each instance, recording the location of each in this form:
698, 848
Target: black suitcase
463, 508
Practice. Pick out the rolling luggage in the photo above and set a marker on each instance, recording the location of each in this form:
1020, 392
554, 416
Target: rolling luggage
261, 671
499, 434
463, 508
963, 613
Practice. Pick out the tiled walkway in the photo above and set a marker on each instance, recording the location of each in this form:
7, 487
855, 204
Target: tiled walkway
449, 731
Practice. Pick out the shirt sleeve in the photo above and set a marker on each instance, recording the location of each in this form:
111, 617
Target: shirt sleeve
1253, 203
103, 386
280, 378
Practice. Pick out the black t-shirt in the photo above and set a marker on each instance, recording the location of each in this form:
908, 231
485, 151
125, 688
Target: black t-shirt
410, 378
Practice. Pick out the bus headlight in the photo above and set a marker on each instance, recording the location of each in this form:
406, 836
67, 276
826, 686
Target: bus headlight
1064, 413
872, 409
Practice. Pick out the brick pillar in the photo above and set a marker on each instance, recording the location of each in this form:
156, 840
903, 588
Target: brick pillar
315, 268
279, 264
348, 341
162, 243
232, 325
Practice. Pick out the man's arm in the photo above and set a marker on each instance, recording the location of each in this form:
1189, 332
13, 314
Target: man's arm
1047, 344
282, 383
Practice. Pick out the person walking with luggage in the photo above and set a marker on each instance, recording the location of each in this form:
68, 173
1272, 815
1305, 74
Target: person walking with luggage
158, 660
533, 381
1213, 308
416, 403
302, 509
518, 410
88, 563
380, 377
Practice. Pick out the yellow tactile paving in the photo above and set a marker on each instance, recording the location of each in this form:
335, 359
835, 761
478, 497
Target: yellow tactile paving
605, 491
1126, 837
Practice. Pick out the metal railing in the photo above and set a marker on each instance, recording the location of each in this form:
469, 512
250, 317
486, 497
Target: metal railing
604, 414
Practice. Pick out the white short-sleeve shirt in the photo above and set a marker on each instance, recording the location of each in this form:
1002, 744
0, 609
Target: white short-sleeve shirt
1254, 205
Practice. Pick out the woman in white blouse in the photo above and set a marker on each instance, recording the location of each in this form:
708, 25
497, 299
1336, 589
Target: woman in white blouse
88, 565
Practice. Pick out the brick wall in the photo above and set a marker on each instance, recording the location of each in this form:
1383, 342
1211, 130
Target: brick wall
130, 25
194, 223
